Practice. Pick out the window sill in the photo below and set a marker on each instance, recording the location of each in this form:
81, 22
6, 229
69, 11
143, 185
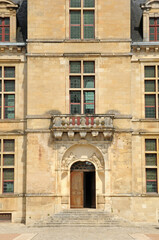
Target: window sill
82, 40
145, 120
10, 195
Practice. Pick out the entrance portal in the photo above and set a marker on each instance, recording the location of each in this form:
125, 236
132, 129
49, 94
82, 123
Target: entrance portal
83, 193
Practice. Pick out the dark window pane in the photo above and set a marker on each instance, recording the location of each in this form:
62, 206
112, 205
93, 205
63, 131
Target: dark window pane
0, 145
9, 86
76, 109
151, 159
0, 86
0, 104
6, 21
0, 72
151, 177
157, 36
89, 67
0, 38
9, 113
151, 186
157, 21
89, 17
9, 145
150, 106
75, 97
152, 30
6, 30
88, 97
150, 71
8, 159
75, 67
89, 108
9, 72
8, 174
0, 21
89, 82
9, 103
0, 30
8, 187
151, 174
75, 17
88, 3
9, 100
75, 32
6, 37
88, 32
150, 86
152, 37
152, 21
75, 81
75, 3
150, 144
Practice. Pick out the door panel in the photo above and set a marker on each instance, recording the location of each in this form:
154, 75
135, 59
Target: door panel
76, 189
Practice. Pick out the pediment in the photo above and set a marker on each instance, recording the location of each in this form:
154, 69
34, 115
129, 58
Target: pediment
150, 4
7, 3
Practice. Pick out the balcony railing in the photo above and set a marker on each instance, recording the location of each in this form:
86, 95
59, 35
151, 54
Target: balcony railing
82, 124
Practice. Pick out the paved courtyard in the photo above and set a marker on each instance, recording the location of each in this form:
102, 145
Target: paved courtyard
9, 231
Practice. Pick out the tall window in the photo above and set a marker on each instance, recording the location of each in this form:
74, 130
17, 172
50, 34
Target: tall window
7, 92
82, 19
4, 29
151, 91
82, 87
7, 156
154, 29
152, 164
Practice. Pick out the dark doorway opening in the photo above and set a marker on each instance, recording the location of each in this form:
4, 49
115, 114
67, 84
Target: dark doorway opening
83, 194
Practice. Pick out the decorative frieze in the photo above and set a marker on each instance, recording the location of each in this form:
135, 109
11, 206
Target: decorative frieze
82, 124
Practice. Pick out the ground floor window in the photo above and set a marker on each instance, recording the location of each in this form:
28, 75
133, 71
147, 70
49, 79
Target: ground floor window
7, 157
151, 162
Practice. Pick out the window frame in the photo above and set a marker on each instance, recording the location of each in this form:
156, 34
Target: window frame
82, 89
3, 26
4, 167
82, 9
152, 167
156, 27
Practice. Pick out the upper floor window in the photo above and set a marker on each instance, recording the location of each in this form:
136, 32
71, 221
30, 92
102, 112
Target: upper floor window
154, 29
4, 29
82, 87
152, 91
82, 19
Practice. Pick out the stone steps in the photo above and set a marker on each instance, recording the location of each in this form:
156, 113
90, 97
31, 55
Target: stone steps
83, 218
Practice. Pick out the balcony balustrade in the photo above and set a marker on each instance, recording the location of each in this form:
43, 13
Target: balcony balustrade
82, 124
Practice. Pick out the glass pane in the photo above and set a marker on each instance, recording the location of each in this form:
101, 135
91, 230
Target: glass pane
0, 30
9, 145
6, 21
152, 37
88, 97
75, 82
8, 159
0, 105
150, 71
89, 108
75, 32
9, 86
8, 174
0, 72
0, 21
0, 86
75, 67
157, 21
88, 32
88, 3
151, 160
0, 145
9, 72
8, 187
152, 30
89, 81
89, 67
157, 36
158, 30
6, 37
150, 86
88, 17
150, 106
6, 30
151, 174
75, 3
152, 21
151, 186
0, 38
150, 144
9, 113
76, 109
75, 17
9, 100
75, 97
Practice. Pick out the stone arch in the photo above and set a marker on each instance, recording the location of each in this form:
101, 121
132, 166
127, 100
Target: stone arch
150, 2
82, 152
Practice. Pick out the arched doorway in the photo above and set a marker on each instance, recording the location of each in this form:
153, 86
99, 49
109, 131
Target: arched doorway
83, 193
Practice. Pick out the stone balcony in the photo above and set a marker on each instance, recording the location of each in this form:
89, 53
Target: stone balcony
82, 124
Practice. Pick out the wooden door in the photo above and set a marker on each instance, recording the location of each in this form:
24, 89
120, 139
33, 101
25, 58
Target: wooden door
76, 189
